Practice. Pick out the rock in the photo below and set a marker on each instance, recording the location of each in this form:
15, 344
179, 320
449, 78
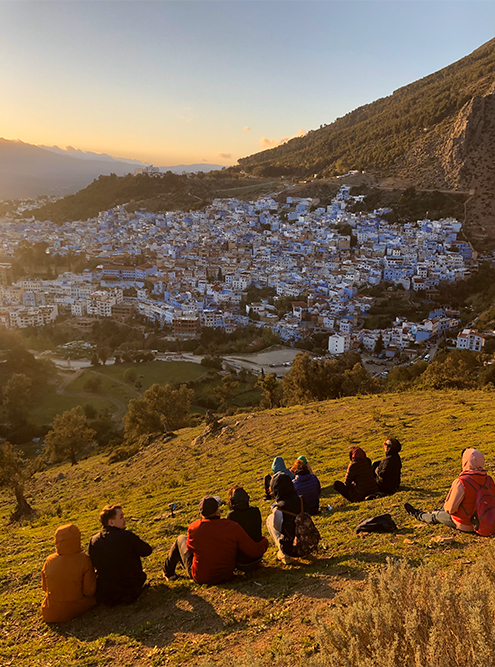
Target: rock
97, 479
59, 476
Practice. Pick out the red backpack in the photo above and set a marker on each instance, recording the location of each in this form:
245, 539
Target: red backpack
483, 518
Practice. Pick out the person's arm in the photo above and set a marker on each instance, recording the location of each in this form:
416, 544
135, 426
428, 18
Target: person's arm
350, 474
43, 580
141, 548
247, 545
454, 497
89, 580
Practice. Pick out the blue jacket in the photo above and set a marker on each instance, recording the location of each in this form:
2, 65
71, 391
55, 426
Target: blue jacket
308, 486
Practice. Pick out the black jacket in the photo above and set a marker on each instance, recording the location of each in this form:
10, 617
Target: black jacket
116, 556
388, 473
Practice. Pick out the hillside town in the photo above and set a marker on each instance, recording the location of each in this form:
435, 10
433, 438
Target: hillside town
194, 269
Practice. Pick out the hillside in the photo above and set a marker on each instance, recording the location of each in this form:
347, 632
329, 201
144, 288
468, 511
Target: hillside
275, 614
168, 192
436, 133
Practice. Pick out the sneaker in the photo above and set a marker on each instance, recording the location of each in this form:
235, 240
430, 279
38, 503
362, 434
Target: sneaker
412, 510
287, 560
170, 577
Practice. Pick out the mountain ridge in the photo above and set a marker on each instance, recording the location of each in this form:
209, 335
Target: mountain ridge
435, 133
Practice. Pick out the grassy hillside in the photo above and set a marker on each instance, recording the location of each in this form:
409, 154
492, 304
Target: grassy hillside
272, 613
379, 134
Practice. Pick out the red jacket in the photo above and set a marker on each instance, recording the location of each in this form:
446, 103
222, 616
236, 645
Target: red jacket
214, 543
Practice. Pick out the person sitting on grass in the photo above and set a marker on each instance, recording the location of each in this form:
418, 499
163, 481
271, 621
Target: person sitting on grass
387, 471
68, 578
460, 503
281, 526
307, 485
116, 554
250, 519
278, 465
209, 551
360, 479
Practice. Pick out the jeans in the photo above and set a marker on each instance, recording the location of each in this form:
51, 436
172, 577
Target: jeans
179, 553
436, 517
274, 534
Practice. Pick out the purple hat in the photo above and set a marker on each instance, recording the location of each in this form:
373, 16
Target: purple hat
208, 506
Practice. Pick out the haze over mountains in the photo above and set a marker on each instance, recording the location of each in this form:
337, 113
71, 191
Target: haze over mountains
30, 171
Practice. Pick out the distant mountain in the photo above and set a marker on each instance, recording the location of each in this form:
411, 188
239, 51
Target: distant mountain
436, 133
104, 157
28, 171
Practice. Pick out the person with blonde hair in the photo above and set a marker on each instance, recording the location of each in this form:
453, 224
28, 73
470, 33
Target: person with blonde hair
68, 578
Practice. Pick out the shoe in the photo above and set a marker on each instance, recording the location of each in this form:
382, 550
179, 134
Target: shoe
412, 510
287, 560
170, 577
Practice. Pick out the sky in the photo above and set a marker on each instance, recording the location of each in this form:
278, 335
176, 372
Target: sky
192, 81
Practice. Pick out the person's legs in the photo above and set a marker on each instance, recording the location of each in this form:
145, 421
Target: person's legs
178, 554
341, 488
433, 518
277, 538
436, 517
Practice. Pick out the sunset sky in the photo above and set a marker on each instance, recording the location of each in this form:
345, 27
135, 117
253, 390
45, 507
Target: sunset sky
206, 81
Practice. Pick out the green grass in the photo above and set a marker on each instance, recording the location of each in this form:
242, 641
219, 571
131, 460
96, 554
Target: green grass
163, 372
53, 404
180, 623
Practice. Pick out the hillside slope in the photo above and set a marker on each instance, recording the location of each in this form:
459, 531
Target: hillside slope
438, 133
272, 612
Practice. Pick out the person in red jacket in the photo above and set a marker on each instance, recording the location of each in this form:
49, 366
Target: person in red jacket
208, 553
460, 503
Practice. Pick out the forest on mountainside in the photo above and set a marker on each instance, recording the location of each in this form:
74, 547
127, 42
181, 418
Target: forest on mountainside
165, 192
377, 135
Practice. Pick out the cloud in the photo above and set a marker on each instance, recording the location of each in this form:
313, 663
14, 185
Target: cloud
225, 156
246, 129
272, 143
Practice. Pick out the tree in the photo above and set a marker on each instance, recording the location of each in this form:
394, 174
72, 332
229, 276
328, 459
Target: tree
71, 434
13, 475
379, 344
93, 384
16, 397
160, 410
272, 390
226, 389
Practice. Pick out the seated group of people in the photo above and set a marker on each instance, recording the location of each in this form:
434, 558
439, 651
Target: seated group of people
214, 547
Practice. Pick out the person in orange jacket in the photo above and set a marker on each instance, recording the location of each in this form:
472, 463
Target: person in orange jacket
68, 578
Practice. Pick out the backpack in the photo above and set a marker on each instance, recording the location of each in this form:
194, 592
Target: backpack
383, 523
307, 534
483, 518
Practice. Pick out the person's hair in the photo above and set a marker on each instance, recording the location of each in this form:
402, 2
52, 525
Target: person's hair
394, 444
108, 513
231, 493
299, 466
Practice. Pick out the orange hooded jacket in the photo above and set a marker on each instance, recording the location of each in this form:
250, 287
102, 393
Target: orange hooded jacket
68, 578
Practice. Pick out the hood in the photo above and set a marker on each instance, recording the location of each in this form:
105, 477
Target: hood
394, 447
281, 486
472, 459
68, 540
239, 500
278, 465
357, 453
